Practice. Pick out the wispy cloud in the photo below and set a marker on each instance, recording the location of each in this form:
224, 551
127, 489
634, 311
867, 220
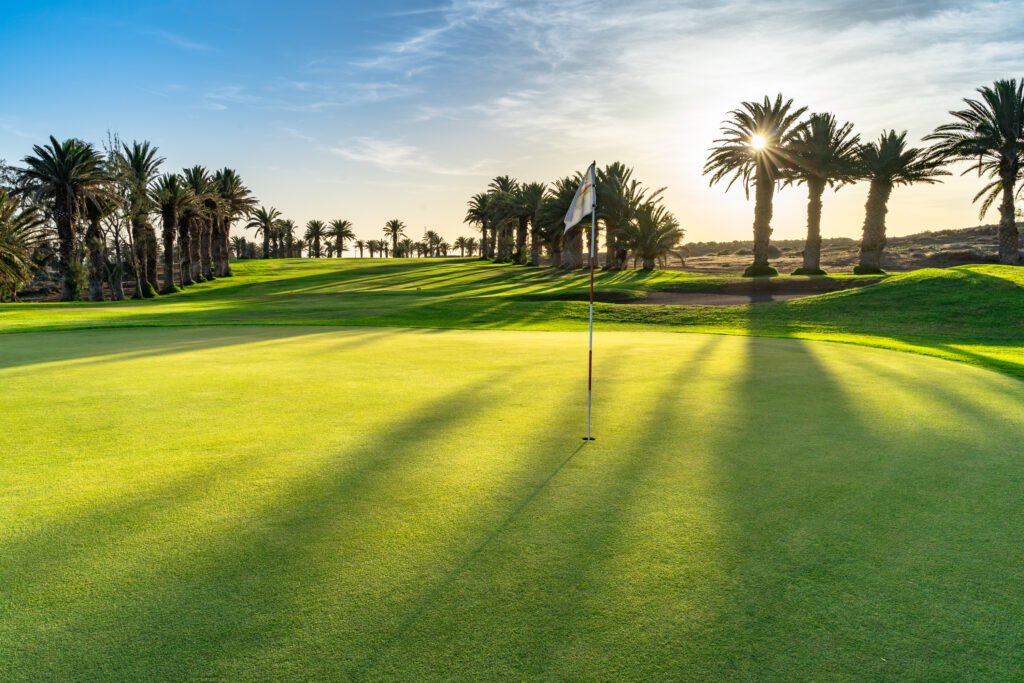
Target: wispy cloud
392, 155
181, 41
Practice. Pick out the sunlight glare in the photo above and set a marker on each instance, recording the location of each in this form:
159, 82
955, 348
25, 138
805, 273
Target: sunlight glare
758, 141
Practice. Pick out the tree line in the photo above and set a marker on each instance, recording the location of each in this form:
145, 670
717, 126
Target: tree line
518, 221
773, 144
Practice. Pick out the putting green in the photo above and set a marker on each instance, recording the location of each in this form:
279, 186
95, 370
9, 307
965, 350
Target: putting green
288, 502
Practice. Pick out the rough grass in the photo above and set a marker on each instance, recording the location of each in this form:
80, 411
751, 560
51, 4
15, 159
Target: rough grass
271, 503
972, 314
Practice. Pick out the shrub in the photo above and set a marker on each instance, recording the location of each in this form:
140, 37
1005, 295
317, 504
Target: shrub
754, 270
809, 271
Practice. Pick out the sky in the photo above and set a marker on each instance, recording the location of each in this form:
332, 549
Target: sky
398, 109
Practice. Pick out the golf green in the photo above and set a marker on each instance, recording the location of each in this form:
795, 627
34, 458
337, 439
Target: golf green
323, 503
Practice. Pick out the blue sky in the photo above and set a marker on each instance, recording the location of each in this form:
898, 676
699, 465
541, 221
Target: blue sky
369, 111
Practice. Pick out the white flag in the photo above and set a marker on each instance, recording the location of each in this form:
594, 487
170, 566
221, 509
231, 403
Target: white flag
584, 201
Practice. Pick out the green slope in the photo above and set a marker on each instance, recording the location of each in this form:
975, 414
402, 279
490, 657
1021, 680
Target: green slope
973, 314
295, 503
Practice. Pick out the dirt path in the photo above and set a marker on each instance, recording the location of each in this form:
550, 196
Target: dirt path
715, 298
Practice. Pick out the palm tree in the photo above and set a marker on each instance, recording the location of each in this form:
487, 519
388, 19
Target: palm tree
360, 245
471, 245
888, 163
755, 148
990, 132
315, 231
565, 248
206, 206
263, 219
431, 239
504, 207
341, 230
286, 229
823, 154
531, 195
621, 197
406, 246
96, 210
171, 195
394, 229
238, 246
67, 173
20, 231
299, 246
478, 212
460, 244
139, 165
236, 201
654, 233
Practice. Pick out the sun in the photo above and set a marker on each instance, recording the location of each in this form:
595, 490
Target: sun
758, 141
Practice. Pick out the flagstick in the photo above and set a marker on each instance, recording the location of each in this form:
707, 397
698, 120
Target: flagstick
590, 351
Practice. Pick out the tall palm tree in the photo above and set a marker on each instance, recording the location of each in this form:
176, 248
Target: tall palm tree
565, 248
406, 246
479, 213
654, 233
262, 220
139, 165
505, 207
171, 195
431, 239
394, 229
460, 244
287, 229
755, 149
20, 231
341, 230
299, 246
238, 246
888, 163
360, 245
206, 209
236, 202
823, 154
990, 132
96, 210
530, 197
621, 197
67, 173
315, 231
471, 245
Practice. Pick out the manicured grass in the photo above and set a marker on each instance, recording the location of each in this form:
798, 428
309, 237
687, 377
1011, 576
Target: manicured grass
972, 314
319, 503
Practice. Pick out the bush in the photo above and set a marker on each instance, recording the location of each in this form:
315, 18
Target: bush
809, 271
743, 252
755, 270
774, 251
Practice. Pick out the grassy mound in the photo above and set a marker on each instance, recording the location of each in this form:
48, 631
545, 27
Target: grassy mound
973, 314
229, 503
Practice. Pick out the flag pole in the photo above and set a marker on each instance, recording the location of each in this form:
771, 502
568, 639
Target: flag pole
590, 350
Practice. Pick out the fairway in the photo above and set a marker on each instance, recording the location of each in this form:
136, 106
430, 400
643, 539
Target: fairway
323, 502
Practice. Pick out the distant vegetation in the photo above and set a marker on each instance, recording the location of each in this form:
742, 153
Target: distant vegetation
91, 212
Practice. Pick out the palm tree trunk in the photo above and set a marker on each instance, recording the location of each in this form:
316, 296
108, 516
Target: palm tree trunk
764, 194
97, 260
812, 247
184, 251
524, 223
873, 241
142, 288
195, 260
225, 236
205, 255
535, 244
572, 249
116, 279
648, 263
483, 242
170, 218
151, 258
611, 261
1009, 245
